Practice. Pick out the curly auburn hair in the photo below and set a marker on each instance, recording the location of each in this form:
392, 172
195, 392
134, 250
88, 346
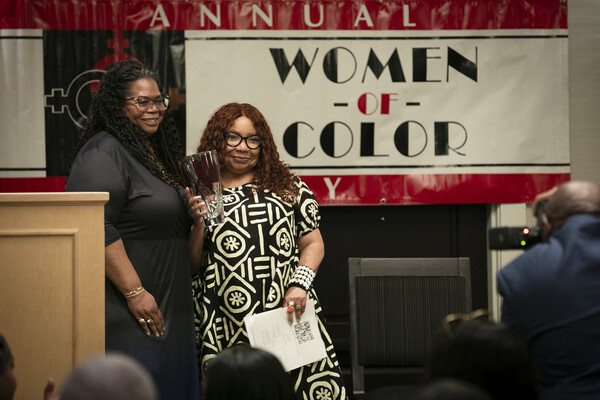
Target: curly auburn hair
270, 173
106, 113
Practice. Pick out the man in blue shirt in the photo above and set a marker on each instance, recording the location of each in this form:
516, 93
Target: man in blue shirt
551, 295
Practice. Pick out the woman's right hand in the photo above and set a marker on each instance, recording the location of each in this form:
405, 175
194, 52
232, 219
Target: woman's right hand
145, 310
196, 207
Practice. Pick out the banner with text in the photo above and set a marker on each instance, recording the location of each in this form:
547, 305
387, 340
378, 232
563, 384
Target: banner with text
370, 102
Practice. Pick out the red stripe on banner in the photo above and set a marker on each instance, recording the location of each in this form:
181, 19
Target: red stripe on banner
280, 15
430, 189
32, 185
382, 189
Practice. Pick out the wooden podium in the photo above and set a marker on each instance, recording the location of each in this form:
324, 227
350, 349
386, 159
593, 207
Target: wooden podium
51, 283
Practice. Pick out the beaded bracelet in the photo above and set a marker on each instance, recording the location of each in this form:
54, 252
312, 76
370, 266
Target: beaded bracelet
134, 292
302, 278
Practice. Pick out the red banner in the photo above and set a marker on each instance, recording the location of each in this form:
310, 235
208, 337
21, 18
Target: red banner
431, 189
367, 190
33, 185
283, 15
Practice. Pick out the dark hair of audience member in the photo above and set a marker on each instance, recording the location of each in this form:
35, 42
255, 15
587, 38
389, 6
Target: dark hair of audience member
486, 354
243, 372
452, 389
6, 356
8, 382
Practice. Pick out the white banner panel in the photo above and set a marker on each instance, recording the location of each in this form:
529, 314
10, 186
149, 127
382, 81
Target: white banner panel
22, 149
338, 102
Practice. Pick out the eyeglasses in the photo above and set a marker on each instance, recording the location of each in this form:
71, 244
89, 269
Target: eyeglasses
144, 103
234, 139
452, 321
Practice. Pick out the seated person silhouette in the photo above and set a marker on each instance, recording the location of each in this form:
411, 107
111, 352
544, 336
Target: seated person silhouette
111, 377
452, 389
8, 382
487, 354
244, 372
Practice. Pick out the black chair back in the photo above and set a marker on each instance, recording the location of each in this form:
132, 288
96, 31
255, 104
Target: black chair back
396, 309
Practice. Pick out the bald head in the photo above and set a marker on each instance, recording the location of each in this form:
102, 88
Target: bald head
114, 377
572, 198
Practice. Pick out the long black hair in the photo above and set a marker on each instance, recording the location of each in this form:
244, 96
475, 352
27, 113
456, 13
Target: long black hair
106, 114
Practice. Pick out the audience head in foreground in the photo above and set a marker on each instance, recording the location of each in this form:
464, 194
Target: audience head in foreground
243, 372
486, 354
452, 389
8, 382
110, 377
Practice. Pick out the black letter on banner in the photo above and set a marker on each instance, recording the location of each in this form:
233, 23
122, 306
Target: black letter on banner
300, 63
401, 138
463, 65
290, 140
331, 64
328, 139
420, 64
441, 140
367, 140
377, 67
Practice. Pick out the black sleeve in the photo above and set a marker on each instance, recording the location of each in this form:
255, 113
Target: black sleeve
96, 171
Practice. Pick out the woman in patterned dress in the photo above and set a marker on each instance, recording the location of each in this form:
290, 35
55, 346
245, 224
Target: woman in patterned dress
265, 254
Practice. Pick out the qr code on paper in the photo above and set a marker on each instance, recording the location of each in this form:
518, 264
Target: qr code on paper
303, 332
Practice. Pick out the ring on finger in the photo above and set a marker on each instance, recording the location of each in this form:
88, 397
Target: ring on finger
141, 320
149, 320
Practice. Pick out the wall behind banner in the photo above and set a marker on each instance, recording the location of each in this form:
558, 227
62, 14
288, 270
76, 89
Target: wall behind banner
584, 93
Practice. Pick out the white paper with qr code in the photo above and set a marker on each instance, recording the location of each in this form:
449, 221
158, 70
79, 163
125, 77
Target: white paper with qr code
294, 345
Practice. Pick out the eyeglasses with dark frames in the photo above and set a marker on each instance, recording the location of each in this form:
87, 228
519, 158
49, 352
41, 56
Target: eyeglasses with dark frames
144, 103
234, 139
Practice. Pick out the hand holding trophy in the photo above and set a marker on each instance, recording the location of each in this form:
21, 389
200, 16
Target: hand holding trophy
201, 174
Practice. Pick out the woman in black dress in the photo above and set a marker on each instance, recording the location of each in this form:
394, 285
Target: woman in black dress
129, 148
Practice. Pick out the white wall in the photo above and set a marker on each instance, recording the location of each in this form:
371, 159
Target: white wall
584, 88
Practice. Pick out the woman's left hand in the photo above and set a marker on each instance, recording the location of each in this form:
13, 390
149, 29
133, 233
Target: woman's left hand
295, 302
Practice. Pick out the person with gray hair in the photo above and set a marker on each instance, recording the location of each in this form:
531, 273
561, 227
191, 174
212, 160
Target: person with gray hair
114, 376
551, 294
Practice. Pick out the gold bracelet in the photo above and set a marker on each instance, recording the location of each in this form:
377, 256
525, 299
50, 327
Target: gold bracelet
134, 292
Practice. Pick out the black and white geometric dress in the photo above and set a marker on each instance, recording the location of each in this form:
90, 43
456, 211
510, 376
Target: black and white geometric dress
250, 259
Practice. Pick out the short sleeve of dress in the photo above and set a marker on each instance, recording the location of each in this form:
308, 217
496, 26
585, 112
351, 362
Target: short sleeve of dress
306, 210
96, 171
